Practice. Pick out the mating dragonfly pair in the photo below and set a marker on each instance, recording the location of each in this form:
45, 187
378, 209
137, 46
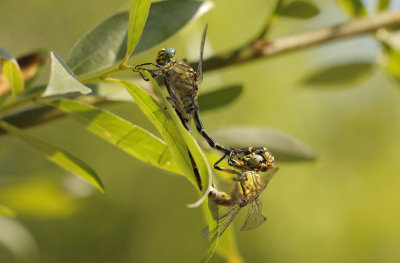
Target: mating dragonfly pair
254, 167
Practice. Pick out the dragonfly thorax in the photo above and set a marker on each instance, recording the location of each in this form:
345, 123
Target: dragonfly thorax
247, 188
182, 81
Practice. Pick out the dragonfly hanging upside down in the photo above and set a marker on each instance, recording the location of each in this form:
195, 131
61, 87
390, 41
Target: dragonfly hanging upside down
257, 167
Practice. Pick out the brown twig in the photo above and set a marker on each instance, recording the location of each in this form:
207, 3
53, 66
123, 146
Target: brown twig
267, 48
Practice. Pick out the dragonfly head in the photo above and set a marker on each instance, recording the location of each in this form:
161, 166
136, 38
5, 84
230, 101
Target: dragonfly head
259, 161
165, 55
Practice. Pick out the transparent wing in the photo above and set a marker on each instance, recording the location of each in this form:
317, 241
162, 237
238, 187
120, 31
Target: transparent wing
200, 66
267, 176
254, 217
226, 220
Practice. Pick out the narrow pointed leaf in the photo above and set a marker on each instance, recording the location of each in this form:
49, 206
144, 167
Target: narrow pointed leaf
12, 72
283, 146
130, 138
341, 75
137, 18
102, 47
175, 135
219, 98
58, 156
198, 156
353, 7
211, 212
168, 17
167, 127
105, 45
162, 121
62, 80
299, 9
392, 61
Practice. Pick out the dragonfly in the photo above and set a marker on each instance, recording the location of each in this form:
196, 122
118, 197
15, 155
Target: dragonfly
257, 167
182, 81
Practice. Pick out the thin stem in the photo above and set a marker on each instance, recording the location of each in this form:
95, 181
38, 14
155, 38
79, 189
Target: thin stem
270, 21
267, 48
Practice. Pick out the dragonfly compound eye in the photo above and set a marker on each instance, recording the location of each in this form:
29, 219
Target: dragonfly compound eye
169, 53
256, 159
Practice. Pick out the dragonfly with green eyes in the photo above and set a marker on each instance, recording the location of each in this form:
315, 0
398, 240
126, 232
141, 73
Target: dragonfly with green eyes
256, 168
182, 81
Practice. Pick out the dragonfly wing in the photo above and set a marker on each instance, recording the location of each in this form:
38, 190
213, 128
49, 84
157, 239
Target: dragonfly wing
226, 220
267, 176
254, 217
200, 66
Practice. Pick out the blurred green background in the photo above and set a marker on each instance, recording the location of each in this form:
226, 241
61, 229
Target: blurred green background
342, 208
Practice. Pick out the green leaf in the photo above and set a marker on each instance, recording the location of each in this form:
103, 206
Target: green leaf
168, 17
299, 9
178, 140
211, 211
5, 211
58, 156
62, 80
12, 72
341, 75
283, 146
219, 98
353, 7
31, 116
199, 158
104, 47
137, 18
392, 61
128, 137
383, 4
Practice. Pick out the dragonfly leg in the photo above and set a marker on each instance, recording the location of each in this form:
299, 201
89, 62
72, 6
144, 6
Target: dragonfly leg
153, 73
224, 169
236, 163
